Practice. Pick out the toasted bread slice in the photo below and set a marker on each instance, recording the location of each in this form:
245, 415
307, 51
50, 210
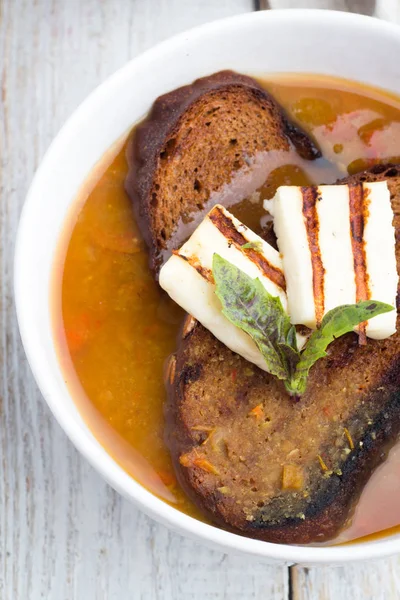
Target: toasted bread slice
260, 464
187, 152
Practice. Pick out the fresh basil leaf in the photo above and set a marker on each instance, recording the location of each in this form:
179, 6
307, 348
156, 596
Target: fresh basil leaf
291, 356
335, 323
248, 305
253, 246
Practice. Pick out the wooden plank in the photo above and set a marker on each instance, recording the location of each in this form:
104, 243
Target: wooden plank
366, 7
64, 533
384, 9
378, 580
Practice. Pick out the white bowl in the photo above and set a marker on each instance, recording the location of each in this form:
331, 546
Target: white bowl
324, 42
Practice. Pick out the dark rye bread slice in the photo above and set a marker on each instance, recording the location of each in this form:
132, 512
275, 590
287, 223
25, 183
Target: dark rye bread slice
258, 463
190, 145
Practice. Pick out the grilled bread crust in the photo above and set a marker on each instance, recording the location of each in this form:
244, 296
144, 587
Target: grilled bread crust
258, 463
192, 143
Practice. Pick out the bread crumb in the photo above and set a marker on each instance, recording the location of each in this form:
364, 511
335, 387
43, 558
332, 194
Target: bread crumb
255, 198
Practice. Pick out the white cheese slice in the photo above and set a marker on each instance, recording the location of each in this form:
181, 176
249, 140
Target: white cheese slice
187, 277
287, 211
333, 244
379, 237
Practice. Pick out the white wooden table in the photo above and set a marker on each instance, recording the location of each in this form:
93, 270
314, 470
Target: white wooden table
64, 534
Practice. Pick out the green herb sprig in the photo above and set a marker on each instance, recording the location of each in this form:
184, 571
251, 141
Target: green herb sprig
257, 245
247, 305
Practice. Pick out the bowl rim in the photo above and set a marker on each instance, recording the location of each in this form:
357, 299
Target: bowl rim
133, 490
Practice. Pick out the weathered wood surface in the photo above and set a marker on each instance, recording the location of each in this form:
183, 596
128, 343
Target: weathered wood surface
384, 9
64, 534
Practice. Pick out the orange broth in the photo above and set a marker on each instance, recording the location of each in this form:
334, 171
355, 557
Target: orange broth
114, 326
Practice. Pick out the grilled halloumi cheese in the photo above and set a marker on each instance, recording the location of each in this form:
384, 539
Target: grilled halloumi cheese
187, 275
338, 247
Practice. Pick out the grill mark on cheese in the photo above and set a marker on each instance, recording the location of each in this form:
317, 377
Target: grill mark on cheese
195, 263
358, 204
310, 197
224, 224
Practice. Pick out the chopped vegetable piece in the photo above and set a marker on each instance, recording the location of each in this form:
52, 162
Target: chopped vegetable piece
209, 436
257, 411
79, 331
322, 463
349, 438
167, 478
188, 460
205, 465
292, 477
